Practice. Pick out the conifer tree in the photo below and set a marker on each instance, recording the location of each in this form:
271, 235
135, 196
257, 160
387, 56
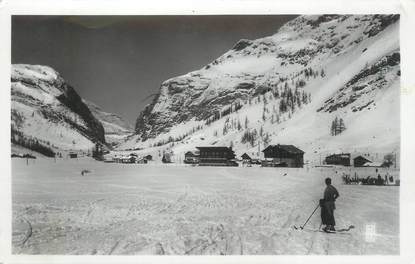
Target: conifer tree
342, 126
239, 125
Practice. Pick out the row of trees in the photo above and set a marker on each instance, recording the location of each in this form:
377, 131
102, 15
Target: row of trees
249, 136
290, 100
233, 124
31, 143
234, 107
253, 137
279, 90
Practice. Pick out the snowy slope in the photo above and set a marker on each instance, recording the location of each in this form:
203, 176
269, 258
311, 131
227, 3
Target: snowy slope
347, 66
47, 110
115, 127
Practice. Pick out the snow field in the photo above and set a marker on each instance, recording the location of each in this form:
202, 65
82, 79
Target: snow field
161, 209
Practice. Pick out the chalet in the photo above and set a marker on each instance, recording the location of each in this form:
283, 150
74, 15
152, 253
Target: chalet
191, 157
338, 159
246, 157
360, 161
283, 156
142, 161
216, 156
128, 159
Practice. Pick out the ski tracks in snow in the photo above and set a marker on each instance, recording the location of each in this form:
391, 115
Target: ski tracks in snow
229, 212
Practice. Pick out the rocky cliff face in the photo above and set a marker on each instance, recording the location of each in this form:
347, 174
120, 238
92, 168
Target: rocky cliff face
46, 109
115, 127
286, 88
253, 67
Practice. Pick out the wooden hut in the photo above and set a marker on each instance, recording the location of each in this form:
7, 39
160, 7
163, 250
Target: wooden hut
338, 159
283, 156
246, 157
142, 161
216, 156
128, 159
360, 161
191, 157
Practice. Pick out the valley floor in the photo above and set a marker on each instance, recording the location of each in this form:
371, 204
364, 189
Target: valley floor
168, 209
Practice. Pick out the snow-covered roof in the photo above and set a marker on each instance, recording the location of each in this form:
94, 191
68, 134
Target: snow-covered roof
245, 156
191, 153
342, 155
216, 148
288, 148
373, 164
363, 158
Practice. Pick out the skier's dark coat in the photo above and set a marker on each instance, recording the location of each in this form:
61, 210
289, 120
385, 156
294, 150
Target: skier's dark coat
328, 206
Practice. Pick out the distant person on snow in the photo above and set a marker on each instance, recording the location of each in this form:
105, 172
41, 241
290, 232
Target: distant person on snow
328, 206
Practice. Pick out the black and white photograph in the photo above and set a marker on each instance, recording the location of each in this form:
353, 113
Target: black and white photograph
243, 134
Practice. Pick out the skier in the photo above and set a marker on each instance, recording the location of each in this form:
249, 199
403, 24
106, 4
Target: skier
328, 206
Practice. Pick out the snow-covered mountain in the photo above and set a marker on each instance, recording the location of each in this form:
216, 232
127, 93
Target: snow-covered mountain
47, 114
286, 88
115, 127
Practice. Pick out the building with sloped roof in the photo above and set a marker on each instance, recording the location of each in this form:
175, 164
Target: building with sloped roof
216, 156
361, 161
284, 156
191, 157
338, 159
246, 157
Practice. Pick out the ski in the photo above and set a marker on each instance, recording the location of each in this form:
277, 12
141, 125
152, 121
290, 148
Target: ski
334, 232
339, 231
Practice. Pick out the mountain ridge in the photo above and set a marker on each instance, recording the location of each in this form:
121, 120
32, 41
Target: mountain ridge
329, 57
48, 112
116, 128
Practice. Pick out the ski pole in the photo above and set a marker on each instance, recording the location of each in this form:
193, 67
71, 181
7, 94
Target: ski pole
310, 216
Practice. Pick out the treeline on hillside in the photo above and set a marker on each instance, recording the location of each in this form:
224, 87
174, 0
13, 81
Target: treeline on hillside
253, 137
234, 107
286, 92
31, 143
290, 100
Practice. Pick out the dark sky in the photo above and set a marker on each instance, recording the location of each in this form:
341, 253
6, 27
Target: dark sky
118, 61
